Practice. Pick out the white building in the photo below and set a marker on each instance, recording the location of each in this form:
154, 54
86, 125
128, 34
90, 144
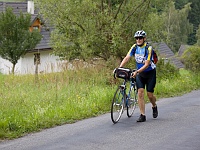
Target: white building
26, 64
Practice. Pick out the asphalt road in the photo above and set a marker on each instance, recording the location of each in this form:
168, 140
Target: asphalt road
176, 128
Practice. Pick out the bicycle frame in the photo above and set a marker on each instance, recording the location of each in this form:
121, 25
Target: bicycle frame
124, 99
132, 87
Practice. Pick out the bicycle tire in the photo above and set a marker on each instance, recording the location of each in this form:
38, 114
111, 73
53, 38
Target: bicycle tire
117, 106
132, 100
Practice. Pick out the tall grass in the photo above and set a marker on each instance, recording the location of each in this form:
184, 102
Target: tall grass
12, 0
178, 85
58, 98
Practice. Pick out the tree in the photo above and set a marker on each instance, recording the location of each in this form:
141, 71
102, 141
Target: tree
191, 58
176, 26
194, 19
198, 36
179, 4
15, 37
159, 5
101, 28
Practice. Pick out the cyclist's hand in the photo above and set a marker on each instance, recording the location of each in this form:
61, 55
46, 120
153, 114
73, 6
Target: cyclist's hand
134, 74
114, 71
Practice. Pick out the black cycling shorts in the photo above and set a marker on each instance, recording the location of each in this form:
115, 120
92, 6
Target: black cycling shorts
147, 79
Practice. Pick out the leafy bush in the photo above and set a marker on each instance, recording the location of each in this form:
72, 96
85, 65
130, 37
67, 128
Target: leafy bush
165, 70
191, 58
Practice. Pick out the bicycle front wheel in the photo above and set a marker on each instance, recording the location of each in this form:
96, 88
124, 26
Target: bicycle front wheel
117, 106
132, 101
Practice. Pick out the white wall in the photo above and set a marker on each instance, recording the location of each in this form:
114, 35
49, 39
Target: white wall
48, 63
5, 66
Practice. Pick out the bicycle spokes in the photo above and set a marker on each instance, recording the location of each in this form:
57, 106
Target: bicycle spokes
132, 101
117, 105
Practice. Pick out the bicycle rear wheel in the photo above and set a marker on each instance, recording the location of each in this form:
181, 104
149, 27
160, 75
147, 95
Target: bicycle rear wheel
132, 100
117, 106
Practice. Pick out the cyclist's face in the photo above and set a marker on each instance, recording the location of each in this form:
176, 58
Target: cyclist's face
139, 40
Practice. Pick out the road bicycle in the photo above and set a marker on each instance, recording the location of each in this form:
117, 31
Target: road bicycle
125, 96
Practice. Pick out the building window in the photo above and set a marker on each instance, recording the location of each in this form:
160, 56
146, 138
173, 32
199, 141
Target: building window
35, 27
36, 58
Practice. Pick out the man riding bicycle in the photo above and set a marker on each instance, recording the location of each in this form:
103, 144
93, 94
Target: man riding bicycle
145, 74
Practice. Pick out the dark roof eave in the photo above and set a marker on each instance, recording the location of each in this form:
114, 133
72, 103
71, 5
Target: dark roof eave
34, 17
37, 50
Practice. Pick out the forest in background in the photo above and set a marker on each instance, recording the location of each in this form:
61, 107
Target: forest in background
105, 28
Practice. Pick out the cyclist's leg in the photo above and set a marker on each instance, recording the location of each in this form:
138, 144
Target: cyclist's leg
141, 86
150, 88
152, 98
141, 102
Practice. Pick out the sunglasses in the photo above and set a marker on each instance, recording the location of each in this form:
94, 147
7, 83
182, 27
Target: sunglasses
140, 37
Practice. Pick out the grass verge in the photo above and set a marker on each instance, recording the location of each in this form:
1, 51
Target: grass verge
60, 98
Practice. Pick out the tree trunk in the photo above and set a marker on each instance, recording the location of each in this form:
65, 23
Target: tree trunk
36, 70
13, 69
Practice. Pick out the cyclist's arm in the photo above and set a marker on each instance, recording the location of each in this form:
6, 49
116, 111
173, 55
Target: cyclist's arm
125, 60
128, 56
146, 65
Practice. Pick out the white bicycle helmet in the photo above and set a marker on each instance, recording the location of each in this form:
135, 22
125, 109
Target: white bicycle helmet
140, 33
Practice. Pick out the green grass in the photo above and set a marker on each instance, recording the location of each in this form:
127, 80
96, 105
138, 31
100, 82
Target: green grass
56, 99
28, 106
185, 83
12, 0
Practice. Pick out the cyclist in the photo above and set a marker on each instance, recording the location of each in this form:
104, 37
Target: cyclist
145, 74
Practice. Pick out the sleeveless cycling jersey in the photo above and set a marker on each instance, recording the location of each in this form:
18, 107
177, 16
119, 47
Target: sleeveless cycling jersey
141, 56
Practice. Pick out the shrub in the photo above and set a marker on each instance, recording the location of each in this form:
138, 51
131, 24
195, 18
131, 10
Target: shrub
191, 58
166, 70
